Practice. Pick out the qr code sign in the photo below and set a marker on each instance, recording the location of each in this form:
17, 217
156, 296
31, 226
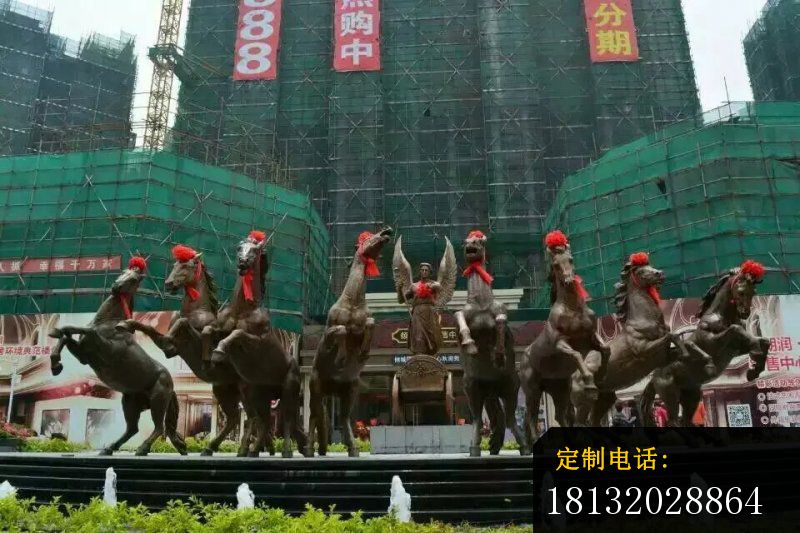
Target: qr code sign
739, 416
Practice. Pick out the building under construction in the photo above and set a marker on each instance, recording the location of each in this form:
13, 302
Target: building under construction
61, 95
772, 51
701, 196
477, 113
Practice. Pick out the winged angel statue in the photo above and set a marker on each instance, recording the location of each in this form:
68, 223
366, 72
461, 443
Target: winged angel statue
424, 297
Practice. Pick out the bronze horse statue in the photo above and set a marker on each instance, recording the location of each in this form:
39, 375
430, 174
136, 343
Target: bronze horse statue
568, 347
252, 347
199, 309
487, 351
644, 341
123, 365
722, 333
344, 348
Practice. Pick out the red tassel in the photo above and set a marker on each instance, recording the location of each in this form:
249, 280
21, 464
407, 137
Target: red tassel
183, 253
753, 269
371, 267
476, 234
640, 259
124, 300
477, 266
138, 262
423, 290
582, 293
257, 236
247, 285
654, 294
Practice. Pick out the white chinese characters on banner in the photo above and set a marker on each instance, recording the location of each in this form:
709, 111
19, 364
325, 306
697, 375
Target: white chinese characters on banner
257, 40
357, 35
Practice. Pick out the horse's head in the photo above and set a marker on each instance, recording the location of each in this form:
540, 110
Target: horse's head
637, 275
743, 286
186, 270
560, 256
128, 282
250, 251
475, 247
369, 245
643, 274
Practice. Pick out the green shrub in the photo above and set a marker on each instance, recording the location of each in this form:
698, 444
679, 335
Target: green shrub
196, 517
53, 446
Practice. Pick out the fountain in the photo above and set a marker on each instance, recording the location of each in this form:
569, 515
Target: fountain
7, 490
245, 497
400, 501
110, 488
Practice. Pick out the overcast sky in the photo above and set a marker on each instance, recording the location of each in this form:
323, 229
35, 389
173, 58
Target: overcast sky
716, 29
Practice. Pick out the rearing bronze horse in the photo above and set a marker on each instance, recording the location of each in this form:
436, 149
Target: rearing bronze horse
123, 365
198, 310
569, 345
344, 348
254, 350
721, 333
487, 351
644, 341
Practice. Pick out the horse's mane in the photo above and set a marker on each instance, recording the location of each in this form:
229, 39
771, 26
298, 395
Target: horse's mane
708, 299
621, 292
212, 288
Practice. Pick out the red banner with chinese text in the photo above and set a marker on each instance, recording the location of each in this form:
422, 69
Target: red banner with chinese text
357, 35
257, 40
59, 264
612, 32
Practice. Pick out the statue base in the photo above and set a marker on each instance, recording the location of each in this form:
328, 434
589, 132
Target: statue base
419, 439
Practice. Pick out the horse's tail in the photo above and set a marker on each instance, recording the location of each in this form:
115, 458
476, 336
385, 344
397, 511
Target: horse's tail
646, 404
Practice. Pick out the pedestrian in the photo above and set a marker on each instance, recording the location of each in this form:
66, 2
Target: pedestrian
660, 414
699, 418
635, 417
620, 419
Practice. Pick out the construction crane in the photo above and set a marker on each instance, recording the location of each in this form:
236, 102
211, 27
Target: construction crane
161, 87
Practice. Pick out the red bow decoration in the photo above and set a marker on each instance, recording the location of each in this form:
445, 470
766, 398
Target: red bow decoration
247, 285
476, 234
423, 290
477, 266
753, 269
137, 262
583, 294
371, 267
124, 300
555, 238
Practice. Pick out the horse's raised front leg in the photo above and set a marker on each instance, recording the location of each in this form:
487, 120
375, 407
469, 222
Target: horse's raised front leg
605, 355
336, 338
366, 343
583, 397
207, 336
587, 375
467, 342
757, 346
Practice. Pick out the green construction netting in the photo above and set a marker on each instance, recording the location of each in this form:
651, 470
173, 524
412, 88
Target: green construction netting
772, 52
478, 113
106, 203
699, 198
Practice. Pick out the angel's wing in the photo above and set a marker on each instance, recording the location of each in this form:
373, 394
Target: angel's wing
447, 275
401, 271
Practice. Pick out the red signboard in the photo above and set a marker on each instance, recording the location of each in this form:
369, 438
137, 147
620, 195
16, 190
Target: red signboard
59, 264
357, 25
257, 40
612, 32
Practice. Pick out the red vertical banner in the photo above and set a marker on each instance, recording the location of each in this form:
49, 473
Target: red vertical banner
257, 40
612, 32
357, 26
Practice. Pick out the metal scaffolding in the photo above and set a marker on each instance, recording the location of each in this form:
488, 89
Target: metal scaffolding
772, 51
